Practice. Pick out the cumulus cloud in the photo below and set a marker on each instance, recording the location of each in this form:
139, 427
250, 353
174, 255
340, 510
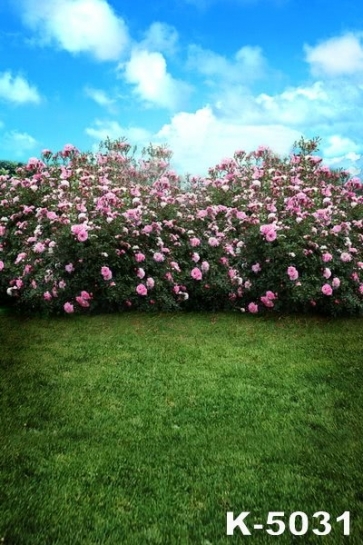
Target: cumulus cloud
248, 64
18, 142
201, 139
147, 71
160, 37
77, 26
337, 144
295, 106
338, 56
17, 90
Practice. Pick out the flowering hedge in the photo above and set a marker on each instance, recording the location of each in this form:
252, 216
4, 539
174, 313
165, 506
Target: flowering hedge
106, 232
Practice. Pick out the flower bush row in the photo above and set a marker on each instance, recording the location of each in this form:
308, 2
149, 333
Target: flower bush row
83, 232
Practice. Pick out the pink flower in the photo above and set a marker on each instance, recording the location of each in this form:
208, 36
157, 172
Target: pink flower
196, 274
82, 235
174, 265
62, 284
82, 301
256, 268
270, 295
271, 236
252, 308
361, 289
266, 301
47, 296
140, 257
327, 257
85, 295
106, 273
205, 266
80, 231
68, 308
46, 153
147, 229
269, 232
20, 257
141, 290
293, 273
150, 283
75, 229
2, 265
39, 247
345, 257
158, 257
213, 241
327, 289
195, 257
194, 241
327, 273
69, 268
140, 273
335, 282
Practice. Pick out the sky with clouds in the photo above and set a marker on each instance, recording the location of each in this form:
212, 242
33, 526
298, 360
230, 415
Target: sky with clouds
206, 77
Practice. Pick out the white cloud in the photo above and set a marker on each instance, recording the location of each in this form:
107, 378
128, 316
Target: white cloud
338, 145
78, 26
18, 142
248, 64
160, 37
17, 90
295, 106
153, 84
250, 57
199, 140
338, 56
113, 130
100, 97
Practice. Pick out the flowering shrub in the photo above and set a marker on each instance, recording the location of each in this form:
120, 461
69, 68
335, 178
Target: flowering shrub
105, 232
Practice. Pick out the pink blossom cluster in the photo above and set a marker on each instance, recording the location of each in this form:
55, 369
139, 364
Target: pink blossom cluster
108, 231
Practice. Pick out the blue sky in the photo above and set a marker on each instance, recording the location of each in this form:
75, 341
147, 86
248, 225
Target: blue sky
206, 77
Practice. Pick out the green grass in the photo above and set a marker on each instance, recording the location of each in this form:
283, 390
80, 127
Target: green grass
147, 429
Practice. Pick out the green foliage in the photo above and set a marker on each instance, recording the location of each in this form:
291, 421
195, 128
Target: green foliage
9, 167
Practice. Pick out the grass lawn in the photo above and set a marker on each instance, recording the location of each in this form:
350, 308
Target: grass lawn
147, 429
